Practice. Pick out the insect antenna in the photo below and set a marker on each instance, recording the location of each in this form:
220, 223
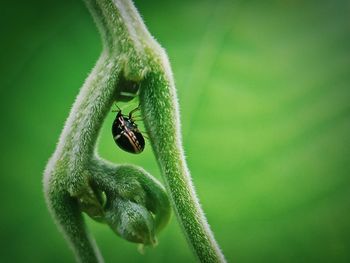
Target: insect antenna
119, 109
137, 119
134, 110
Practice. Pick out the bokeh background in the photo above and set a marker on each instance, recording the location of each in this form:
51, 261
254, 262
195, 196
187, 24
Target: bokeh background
264, 91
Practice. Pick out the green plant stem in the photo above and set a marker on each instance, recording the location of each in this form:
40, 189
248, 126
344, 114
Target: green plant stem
76, 175
161, 117
67, 174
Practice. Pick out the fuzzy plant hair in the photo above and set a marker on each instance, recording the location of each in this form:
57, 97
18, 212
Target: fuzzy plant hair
125, 197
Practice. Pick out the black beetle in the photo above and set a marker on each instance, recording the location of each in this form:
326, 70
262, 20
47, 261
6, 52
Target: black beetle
126, 134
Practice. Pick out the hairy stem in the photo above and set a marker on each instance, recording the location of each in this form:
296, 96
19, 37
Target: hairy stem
76, 179
161, 117
71, 170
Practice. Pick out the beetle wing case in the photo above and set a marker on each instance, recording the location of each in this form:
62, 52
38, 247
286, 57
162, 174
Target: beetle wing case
126, 135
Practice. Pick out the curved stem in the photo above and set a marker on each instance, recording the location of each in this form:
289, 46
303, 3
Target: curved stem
70, 219
161, 116
67, 175
75, 176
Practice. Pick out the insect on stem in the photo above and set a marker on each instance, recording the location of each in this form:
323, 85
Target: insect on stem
126, 134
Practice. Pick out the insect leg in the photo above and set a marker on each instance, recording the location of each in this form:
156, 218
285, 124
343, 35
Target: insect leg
134, 110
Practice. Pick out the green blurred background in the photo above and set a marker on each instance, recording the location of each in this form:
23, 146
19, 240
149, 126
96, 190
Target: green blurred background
264, 91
